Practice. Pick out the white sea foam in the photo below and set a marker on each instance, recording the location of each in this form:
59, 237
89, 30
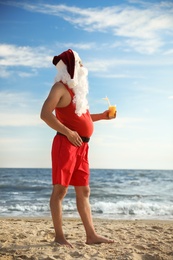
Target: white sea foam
137, 209
114, 194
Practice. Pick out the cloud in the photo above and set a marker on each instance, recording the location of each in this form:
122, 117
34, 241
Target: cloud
81, 46
31, 58
35, 57
15, 100
127, 123
108, 65
18, 109
169, 52
17, 119
24, 61
130, 122
105, 65
4, 73
120, 76
142, 46
142, 26
24, 74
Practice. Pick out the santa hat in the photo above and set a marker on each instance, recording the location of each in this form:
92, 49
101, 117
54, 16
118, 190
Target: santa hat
68, 59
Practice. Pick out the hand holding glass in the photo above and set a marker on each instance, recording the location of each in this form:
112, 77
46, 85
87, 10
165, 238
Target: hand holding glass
112, 109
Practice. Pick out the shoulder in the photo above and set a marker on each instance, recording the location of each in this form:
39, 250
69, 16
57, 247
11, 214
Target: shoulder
58, 89
59, 95
59, 86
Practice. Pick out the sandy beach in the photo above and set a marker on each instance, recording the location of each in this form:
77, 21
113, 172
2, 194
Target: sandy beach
32, 238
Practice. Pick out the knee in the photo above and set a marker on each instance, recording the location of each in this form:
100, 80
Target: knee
83, 192
59, 192
87, 192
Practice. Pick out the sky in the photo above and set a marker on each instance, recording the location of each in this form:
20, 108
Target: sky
127, 47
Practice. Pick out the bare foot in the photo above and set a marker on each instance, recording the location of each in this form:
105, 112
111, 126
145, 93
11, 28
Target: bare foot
98, 240
62, 242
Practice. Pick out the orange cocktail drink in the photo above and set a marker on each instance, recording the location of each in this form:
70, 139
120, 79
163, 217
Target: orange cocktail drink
112, 111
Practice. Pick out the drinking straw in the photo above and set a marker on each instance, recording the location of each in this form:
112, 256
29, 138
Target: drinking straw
107, 99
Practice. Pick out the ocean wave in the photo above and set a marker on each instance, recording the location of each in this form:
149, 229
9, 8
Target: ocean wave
114, 193
129, 208
101, 209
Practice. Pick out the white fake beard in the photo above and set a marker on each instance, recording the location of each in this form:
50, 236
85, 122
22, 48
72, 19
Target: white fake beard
81, 90
79, 85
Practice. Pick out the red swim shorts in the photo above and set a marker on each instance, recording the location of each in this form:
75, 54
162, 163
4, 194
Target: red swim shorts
69, 163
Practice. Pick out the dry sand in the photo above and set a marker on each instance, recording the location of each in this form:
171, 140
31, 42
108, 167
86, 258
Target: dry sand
32, 238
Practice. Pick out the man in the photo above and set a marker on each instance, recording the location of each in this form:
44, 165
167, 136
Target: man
74, 126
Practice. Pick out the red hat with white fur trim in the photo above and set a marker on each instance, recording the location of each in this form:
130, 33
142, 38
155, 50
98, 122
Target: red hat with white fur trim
69, 60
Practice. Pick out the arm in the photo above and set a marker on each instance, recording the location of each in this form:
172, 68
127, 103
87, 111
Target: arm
57, 98
101, 116
48, 107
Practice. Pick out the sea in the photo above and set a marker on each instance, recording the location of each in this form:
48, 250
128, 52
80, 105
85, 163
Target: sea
115, 194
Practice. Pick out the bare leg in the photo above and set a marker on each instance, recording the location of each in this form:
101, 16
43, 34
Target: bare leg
83, 206
57, 196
